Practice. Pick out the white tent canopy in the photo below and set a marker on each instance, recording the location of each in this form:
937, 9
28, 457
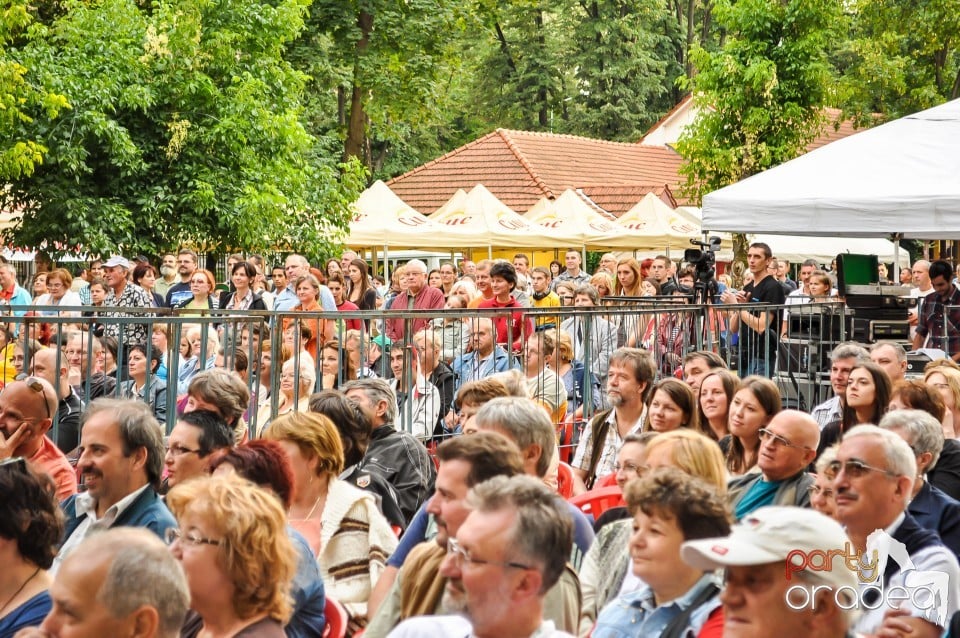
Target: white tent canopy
900, 177
570, 215
380, 218
490, 222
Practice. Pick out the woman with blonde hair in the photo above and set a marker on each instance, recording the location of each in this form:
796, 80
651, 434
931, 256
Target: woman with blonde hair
946, 380
237, 556
693, 452
603, 282
343, 524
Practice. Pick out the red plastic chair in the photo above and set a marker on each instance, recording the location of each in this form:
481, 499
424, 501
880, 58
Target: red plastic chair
597, 501
564, 480
337, 619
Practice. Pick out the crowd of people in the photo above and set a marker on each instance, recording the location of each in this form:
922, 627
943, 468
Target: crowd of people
401, 474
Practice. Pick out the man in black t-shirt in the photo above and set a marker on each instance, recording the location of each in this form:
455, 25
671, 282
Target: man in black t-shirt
757, 328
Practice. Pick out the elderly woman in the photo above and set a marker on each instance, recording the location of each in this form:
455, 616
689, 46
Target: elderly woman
669, 508
342, 524
296, 384
239, 561
822, 497
30, 530
605, 572
58, 293
265, 463
155, 395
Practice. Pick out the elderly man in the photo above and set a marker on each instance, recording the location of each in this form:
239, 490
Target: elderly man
416, 295
121, 460
69, 406
920, 276
890, 356
506, 556
11, 293
396, 456
122, 582
464, 462
429, 348
186, 263
874, 474
630, 377
297, 266
26, 414
485, 358
482, 276
168, 275
84, 352
787, 446
195, 436
766, 595
123, 294
931, 507
843, 360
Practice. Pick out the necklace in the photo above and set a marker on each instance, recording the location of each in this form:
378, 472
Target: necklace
310, 513
17, 593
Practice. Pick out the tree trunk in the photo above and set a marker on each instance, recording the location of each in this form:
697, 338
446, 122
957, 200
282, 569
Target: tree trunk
355, 144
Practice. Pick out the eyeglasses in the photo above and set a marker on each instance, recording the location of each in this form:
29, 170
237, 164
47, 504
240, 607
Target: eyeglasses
461, 554
173, 534
776, 439
823, 491
856, 469
34, 384
179, 450
640, 470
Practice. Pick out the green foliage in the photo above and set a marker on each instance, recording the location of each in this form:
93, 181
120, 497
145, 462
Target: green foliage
185, 128
761, 94
901, 57
625, 56
20, 152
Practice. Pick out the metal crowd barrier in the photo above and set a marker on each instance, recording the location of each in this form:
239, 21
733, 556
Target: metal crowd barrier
669, 328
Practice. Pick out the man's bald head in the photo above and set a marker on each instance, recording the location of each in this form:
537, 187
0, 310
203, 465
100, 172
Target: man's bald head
789, 446
46, 366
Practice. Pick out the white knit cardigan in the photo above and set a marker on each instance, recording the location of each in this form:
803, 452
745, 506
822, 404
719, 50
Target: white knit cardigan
356, 541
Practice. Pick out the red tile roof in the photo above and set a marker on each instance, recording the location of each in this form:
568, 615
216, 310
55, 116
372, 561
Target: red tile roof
832, 131
616, 200
520, 167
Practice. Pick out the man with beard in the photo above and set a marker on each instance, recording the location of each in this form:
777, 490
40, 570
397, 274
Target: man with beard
168, 275
121, 461
504, 558
464, 462
630, 378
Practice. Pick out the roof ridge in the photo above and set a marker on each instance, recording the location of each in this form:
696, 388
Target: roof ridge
594, 205
446, 155
527, 166
570, 136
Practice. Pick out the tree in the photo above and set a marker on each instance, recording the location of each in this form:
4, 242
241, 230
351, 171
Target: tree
184, 128
760, 96
625, 60
378, 70
19, 96
902, 57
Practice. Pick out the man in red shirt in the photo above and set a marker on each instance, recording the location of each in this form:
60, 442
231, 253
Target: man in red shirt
417, 296
26, 414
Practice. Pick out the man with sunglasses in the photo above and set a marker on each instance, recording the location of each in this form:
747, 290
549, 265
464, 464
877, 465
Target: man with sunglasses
874, 473
506, 555
26, 415
787, 447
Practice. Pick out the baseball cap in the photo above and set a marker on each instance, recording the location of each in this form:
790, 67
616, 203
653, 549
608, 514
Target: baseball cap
117, 260
772, 535
382, 340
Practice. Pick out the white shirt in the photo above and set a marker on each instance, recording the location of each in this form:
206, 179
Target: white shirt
86, 506
458, 627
